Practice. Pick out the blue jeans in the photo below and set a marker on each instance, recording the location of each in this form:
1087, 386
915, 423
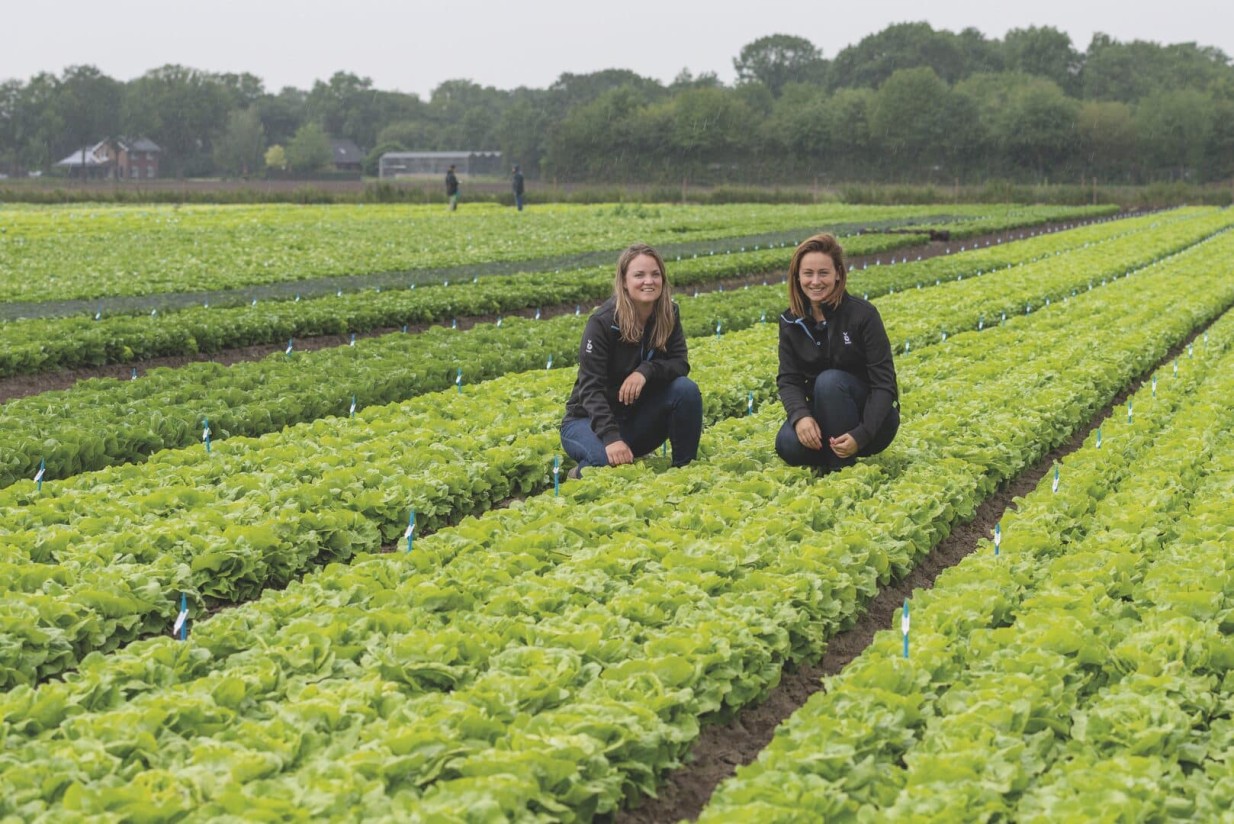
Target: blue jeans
674, 412
838, 399
518, 200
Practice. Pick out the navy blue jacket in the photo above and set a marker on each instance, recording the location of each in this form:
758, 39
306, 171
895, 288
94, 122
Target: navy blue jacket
850, 337
605, 361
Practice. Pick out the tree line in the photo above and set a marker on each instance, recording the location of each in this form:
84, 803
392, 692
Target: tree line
907, 104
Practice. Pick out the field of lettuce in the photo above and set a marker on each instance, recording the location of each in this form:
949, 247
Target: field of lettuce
343, 584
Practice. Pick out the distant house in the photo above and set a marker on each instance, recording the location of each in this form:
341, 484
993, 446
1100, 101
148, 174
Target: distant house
347, 156
406, 164
115, 159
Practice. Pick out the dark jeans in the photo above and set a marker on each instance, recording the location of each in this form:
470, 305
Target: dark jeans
674, 412
838, 399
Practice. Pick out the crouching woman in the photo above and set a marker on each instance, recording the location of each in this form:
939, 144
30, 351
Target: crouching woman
632, 391
836, 380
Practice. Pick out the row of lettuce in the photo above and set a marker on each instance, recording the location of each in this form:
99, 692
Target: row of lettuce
102, 422
113, 550
64, 253
553, 658
1088, 663
44, 344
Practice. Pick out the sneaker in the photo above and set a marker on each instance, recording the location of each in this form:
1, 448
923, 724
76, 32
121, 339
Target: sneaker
574, 474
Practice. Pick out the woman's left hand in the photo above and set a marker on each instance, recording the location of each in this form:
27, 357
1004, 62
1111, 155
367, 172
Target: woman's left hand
631, 388
844, 446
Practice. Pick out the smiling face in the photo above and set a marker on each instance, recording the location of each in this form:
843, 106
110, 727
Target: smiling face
818, 278
643, 282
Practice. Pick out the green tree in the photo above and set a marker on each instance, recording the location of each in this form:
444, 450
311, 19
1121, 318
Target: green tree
182, 110
1037, 127
873, 60
89, 105
309, 149
909, 120
1042, 51
1173, 129
276, 157
1106, 139
779, 59
240, 148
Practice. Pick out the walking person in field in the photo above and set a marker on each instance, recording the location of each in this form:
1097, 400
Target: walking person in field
632, 391
452, 187
837, 381
517, 182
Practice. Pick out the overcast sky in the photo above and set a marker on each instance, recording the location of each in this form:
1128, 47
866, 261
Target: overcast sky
413, 45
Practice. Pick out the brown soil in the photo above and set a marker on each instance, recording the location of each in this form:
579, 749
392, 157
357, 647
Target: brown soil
722, 748
20, 386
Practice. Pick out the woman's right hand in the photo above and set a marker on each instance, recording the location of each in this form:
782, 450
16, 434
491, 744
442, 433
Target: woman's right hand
619, 453
808, 433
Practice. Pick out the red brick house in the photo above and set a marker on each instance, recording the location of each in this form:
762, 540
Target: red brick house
115, 159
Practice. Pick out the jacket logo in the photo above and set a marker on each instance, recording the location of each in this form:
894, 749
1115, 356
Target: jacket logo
589, 346
847, 342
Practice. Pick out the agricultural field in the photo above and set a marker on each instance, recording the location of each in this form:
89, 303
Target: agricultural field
348, 582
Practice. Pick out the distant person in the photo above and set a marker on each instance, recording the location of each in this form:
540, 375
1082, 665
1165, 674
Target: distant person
837, 381
632, 391
518, 188
452, 187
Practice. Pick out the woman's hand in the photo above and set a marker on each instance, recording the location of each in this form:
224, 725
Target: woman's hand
845, 446
619, 453
808, 433
631, 388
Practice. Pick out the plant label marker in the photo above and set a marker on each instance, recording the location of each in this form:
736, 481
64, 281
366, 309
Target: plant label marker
1176, 367
351, 413
180, 629
458, 380
549, 365
352, 342
254, 303
98, 315
904, 623
944, 335
205, 433
981, 323
556, 476
1154, 386
38, 476
763, 317
1054, 486
717, 329
404, 329
410, 534
1099, 437
664, 449
907, 347
577, 310
287, 352
133, 374
1128, 411
750, 404
297, 297
498, 321
1188, 350
1003, 321
537, 313
454, 323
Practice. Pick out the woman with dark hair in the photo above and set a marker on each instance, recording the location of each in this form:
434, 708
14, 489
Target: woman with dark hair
836, 379
632, 391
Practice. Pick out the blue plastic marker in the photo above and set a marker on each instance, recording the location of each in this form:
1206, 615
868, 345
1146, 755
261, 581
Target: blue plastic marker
99, 314
1188, 350
181, 628
1128, 411
1054, 486
717, 329
577, 309
904, 627
289, 348
556, 475
454, 323
133, 374
549, 365
1099, 437
1176, 367
351, 413
763, 317
458, 380
410, 534
998, 537
1154, 386
205, 433
404, 329
38, 476
498, 322
907, 347
750, 404
537, 313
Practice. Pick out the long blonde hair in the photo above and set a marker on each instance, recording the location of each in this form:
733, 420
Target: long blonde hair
662, 320
829, 246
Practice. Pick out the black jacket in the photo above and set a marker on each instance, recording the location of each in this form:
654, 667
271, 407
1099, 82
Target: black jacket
604, 362
518, 183
451, 183
850, 337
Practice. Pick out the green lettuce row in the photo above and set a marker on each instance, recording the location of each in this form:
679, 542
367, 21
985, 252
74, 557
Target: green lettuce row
34, 346
981, 707
103, 422
84, 252
378, 733
195, 542
60, 254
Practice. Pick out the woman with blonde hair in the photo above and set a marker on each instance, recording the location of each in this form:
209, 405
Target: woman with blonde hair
837, 381
632, 391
